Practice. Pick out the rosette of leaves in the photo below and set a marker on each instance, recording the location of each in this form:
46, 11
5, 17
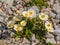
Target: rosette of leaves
38, 3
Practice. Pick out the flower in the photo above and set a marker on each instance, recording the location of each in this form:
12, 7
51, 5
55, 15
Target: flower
18, 28
32, 13
25, 13
43, 17
10, 24
23, 23
50, 30
48, 26
16, 19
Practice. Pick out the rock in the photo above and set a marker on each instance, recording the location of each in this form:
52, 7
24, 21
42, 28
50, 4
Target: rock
58, 38
2, 18
5, 35
25, 41
57, 30
9, 3
56, 8
8, 41
0, 32
58, 15
52, 14
36, 41
2, 0
49, 35
9, 11
33, 37
51, 40
27, 1
11, 34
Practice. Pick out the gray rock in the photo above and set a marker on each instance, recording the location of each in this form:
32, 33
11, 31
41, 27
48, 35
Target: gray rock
33, 37
56, 8
2, 18
52, 14
9, 11
0, 32
51, 40
58, 15
57, 30
2, 0
7, 3
11, 34
8, 41
58, 38
49, 35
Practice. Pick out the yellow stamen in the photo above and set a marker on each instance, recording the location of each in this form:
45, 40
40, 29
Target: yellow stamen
11, 25
43, 16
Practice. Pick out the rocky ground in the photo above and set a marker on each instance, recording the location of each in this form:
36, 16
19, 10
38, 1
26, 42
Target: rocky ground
8, 9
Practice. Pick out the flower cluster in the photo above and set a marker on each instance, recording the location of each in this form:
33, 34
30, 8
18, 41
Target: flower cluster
30, 22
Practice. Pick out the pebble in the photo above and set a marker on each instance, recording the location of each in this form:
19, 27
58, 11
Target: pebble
58, 15
49, 35
51, 40
58, 38
56, 8
8, 8
57, 30
52, 14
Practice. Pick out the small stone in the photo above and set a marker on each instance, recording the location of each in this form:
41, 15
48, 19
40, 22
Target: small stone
27, 1
0, 31
33, 37
11, 34
25, 41
2, 18
35, 42
51, 40
58, 38
8, 41
52, 14
9, 11
58, 15
57, 30
9, 3
49, 35
2, 0
56, 7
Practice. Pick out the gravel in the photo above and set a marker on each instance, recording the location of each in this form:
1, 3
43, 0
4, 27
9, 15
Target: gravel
9, 8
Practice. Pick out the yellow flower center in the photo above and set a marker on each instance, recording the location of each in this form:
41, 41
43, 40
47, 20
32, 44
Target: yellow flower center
18, 28
11, 25
48, 25
31, 12
17, 19
23, 23
43, 16
26, 14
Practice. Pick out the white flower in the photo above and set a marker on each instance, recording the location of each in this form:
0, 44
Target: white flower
10, 24
48, 26
25, 13
18, 28
50, 30
32, 13
43, 16
23, 23
16, 19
